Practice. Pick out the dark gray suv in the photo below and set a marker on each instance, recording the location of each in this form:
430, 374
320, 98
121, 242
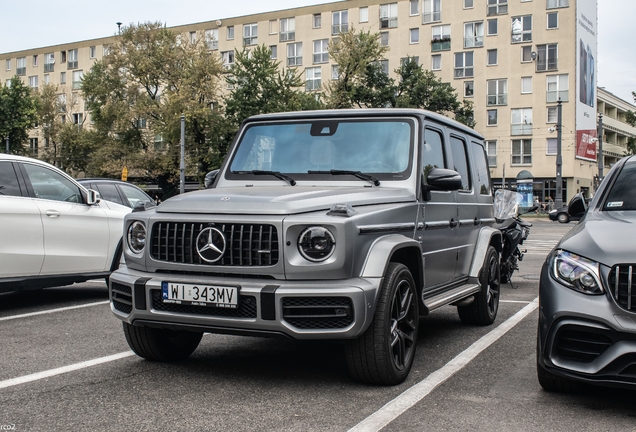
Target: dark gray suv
345, 225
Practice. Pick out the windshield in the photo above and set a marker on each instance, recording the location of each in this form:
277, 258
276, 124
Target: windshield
506, 203
376, 146
622, 195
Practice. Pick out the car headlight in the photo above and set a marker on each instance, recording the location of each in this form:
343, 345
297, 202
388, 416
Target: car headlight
136, 236
316, 243
576, 272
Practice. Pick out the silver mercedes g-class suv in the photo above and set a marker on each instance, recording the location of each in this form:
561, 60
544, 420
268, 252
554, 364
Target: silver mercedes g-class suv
345, 225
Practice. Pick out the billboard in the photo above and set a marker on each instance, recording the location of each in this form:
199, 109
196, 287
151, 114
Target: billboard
586, 80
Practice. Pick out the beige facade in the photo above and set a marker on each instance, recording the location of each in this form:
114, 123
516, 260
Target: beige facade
512, 58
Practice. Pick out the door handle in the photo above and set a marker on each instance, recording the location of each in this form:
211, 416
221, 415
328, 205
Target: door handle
453, 223
52, 213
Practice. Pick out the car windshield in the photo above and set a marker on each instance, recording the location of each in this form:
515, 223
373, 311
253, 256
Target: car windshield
622, 195
378, 146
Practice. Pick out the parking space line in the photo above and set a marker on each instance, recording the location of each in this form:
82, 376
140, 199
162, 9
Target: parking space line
410, 397
515, 301
64, 369
7, 318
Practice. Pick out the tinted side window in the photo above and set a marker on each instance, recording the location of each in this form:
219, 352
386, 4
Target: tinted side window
9, 185
623, 193
432, 151
481, 166
109, 193
460, 161
50, 185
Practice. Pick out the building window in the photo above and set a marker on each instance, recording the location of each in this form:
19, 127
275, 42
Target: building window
193, 37
63, 56
140, 123
72, 59
287, 29
557, 88
313, 76
526, 85
497, 92
230, 33
62, 77
547, 57
441, 38
552, 4
295, 54
431, 11
364, 14
553, 114
321, 51
339, 22
436, 62
250, 34
469, 4
551, 146
521, 152
469, 88
497, 7
274, 52
105, 50
77, 79
522, 29
492, 117
464, 65
20, 69
492, 57
384, 38
47, 79
78, 118
316, 20
526, 54
33, 82
405, 60
91, 52
474, 34
492, 27
212, 39
35, 60
228, 59
521, 121
388, 15
49, 62
335, 72
414, 35
491, 151
33, 146
384, 65
8, 64
553, 20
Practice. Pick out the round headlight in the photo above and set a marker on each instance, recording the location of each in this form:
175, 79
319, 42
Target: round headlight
316, 244
137, 236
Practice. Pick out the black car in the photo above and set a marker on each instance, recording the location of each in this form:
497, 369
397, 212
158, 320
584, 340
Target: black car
563, 215
587, 292
117, 191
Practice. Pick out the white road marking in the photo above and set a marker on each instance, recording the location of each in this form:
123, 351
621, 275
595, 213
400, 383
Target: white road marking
410, 397
64, 369
7, 318
514, 301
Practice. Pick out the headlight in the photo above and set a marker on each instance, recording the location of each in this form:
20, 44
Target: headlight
576, 272
137, 236
316, 244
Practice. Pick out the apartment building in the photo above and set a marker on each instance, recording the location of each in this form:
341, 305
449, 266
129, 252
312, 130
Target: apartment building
514, 59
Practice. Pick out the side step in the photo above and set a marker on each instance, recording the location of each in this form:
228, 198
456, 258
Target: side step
451, 296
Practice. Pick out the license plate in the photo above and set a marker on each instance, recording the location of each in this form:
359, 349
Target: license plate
200, 295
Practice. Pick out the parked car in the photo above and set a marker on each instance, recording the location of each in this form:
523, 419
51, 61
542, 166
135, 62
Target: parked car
117, 191
563, 215
345, 225
53, 231
587, 293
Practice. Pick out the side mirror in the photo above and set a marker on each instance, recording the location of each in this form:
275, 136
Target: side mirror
444, 179
209, 178
577, 205
92, 197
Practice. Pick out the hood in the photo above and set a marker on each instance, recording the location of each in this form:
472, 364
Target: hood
279, 200
605, 237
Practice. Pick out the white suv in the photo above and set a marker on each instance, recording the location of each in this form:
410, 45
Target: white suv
53, 230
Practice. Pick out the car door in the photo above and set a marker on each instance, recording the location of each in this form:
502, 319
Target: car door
76, 235
21, 230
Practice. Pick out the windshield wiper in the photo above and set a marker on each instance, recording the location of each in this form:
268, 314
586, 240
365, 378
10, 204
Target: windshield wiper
276, 174
358, 174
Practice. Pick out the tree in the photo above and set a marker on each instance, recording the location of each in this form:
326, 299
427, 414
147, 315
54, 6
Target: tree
18, 114
136, 96
630, 118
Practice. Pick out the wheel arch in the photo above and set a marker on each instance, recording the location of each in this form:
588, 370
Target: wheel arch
488, 236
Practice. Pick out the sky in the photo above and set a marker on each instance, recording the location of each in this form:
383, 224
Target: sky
40, 23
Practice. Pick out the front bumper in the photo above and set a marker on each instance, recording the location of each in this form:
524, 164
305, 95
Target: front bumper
329, 309
584, 337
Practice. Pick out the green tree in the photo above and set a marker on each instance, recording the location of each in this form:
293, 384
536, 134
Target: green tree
18, 114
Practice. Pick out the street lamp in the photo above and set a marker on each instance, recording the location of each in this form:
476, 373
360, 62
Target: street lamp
558, 202
118, 27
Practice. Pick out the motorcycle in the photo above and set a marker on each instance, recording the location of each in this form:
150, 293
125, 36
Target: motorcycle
514, 231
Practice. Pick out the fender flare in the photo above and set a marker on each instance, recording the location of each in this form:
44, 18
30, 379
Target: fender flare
487, 236
381, 251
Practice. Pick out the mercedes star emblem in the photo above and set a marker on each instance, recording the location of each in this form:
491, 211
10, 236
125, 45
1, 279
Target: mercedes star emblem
210, 244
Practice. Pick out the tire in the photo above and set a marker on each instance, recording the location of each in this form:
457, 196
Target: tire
384, 354
160, 344
483, 310
563, 218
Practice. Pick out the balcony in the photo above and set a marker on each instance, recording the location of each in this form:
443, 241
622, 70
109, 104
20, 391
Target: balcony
429, 17
554, 96
521, 129
72, 64
287, 36
20, 71
336, 29
440, 44
492, 160
501, 99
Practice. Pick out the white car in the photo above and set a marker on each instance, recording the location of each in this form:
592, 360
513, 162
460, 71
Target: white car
53, 231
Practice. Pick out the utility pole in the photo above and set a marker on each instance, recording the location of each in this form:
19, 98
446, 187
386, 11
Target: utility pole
7, 144
558, 202
599, 155
182, 164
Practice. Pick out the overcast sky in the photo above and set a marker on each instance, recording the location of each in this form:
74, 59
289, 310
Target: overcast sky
40, 23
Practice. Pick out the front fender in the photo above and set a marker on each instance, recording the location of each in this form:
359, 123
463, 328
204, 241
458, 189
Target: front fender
382, 249
487, 236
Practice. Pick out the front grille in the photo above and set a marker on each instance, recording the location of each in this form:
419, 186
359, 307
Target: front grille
581, 345
246, 307
121, 296
318, 312
246, 244
622, 279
